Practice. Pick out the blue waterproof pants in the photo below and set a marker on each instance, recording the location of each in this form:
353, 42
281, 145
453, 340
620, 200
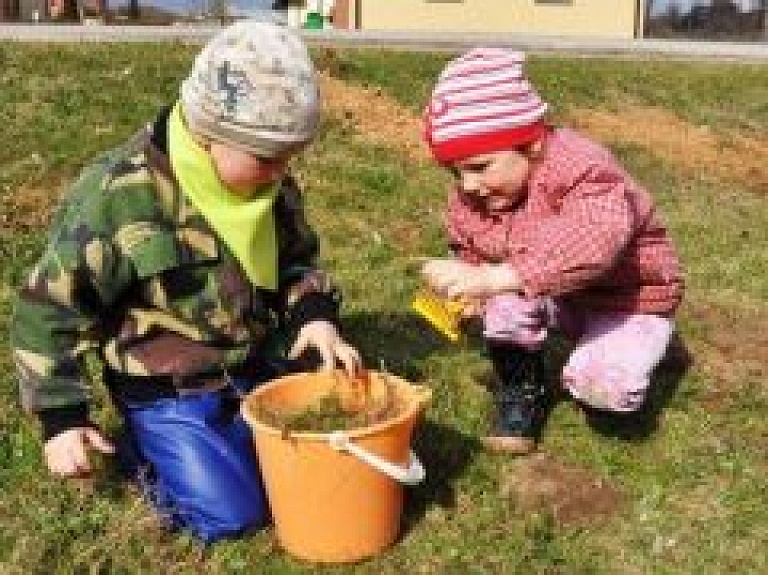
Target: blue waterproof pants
194, 459
193, 455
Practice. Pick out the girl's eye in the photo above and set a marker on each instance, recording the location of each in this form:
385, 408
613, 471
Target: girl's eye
476, 168
455, 172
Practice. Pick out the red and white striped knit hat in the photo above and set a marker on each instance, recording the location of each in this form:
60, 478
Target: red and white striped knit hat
482, 103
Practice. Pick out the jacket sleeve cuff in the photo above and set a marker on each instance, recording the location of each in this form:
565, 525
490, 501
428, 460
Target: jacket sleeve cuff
58, 419
313, 306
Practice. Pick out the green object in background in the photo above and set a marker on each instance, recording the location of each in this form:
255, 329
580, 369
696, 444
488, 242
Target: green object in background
314, 21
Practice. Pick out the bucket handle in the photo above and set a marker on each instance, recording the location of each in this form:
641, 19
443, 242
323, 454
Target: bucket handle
411, 475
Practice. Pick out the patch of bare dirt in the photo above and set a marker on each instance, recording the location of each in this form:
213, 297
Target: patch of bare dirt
731, 348
26, 208
377, 116
572, 494
694, 149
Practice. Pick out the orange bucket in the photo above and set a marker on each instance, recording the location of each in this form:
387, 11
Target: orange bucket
336, 497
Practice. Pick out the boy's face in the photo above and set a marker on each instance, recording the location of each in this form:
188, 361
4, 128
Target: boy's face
493, 182
245, 173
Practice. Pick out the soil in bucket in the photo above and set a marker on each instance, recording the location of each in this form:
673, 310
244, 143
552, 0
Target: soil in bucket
328, 505
349, 404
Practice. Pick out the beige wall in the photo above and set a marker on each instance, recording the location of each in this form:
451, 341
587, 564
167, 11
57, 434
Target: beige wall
597, 18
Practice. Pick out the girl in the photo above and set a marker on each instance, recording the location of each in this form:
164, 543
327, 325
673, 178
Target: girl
548, 230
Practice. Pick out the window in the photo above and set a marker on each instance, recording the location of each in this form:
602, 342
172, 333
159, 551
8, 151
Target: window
742, 20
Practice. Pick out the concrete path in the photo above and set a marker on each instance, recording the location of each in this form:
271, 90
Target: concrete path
405, 40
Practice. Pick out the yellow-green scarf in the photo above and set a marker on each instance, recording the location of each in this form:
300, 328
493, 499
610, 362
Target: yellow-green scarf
245, 224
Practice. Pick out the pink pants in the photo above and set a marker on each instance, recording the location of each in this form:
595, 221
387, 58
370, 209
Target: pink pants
614, 353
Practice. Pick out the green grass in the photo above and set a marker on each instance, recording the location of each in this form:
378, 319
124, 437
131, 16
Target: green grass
693, 492
698, 91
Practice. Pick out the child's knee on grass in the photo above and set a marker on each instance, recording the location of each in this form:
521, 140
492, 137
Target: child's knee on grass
611, 366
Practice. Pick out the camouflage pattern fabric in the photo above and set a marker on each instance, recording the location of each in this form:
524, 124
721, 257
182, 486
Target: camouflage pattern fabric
133, 271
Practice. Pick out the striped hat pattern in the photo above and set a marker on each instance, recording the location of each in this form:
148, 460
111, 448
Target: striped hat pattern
482, 103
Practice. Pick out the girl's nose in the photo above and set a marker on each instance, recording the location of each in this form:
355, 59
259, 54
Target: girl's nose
471, 183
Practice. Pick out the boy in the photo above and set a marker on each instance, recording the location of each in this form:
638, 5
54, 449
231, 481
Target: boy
181, 258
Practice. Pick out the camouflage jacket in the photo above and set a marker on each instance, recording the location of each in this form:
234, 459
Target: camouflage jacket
133, 271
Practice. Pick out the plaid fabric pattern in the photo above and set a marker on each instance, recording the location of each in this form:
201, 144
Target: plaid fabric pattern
586, 231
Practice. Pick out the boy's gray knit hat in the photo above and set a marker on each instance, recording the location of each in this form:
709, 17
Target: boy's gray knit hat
253, 87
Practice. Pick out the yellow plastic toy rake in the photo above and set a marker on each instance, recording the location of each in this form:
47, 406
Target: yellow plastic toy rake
443, 314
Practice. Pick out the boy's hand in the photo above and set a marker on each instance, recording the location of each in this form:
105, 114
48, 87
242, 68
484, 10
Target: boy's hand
324, 337
66, 454
456, 279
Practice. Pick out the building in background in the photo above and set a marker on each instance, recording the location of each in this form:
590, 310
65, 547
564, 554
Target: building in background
742, 20
624, 19
23, 10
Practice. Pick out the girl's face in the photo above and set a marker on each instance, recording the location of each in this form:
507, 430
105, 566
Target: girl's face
494, 182
244, 173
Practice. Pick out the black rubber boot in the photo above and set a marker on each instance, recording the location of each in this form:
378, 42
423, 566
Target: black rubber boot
522, 397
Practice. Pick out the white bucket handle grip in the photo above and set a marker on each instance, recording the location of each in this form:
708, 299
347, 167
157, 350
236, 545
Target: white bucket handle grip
411, 475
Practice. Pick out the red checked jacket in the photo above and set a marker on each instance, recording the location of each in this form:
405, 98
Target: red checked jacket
585, 232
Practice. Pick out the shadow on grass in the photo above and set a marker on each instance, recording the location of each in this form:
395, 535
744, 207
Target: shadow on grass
402, 342
398, 342
445, 452
640, 425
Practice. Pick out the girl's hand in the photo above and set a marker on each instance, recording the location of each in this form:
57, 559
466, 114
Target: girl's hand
456, 279
66, 454
473, 309
324, 337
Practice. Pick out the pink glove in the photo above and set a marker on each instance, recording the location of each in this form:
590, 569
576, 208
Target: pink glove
510, 318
